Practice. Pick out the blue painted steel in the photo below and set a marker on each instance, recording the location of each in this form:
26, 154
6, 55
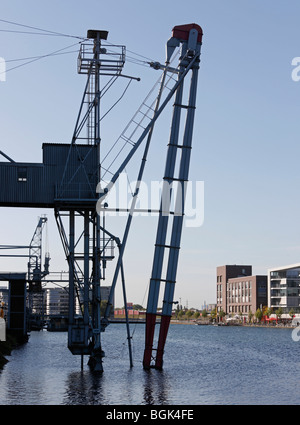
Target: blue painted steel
67, 180
190, 57
40, 185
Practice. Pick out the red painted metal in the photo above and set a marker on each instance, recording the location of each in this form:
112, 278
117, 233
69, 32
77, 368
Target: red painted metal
182, 31
164, 327
149, 336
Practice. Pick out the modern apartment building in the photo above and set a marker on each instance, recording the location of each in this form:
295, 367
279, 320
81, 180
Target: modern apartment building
57, 302
238, 291
284, 288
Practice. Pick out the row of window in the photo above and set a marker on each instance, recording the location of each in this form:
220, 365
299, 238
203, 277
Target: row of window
239, 309
239, 292
281, 274
235, 285
290, 283
235, 300
285, 292
239, 285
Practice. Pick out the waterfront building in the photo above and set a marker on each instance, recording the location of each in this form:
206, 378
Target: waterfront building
57, 301
238, 291
284, 288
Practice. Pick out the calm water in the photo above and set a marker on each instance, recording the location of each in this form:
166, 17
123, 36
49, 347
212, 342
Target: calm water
203, 365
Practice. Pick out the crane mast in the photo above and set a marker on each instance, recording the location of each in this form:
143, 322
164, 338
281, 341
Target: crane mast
86, 250
35, 273
35, 276
179, 152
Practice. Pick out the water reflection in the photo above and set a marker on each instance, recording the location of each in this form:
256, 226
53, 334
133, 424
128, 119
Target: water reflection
45, 372
87, 388
84, 387
155, 387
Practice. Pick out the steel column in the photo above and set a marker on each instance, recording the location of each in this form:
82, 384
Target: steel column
190, 36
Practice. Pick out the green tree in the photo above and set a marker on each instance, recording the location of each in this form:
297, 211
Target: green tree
196, 315
279, 312
180, 314
213, 314
204, 313
292, 312
258, 314
250, 316
189, 314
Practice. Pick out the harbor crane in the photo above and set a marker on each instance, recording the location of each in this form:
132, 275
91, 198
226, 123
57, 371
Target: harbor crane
35, 272
76, 179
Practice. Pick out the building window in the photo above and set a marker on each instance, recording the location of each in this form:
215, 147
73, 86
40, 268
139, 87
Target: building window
22, 174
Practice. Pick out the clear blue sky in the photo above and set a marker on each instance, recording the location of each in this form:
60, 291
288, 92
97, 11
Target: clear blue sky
246, 136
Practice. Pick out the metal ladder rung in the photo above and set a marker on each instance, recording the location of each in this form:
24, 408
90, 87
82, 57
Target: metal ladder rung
175, 179
148, 107
127, 140
179, 146
163, 280
138, 124
167, 246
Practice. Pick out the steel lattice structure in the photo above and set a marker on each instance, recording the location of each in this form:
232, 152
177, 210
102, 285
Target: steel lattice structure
75, 179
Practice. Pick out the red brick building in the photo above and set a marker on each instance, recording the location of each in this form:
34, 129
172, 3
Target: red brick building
238, 291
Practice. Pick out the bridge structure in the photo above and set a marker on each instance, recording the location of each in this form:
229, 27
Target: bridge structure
74, 180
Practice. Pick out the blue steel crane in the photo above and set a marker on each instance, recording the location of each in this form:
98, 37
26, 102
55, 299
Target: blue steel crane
84, 336
35, 273
190, 38
72, 179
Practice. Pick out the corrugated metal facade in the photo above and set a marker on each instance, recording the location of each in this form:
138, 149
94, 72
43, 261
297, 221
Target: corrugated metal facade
68, 174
